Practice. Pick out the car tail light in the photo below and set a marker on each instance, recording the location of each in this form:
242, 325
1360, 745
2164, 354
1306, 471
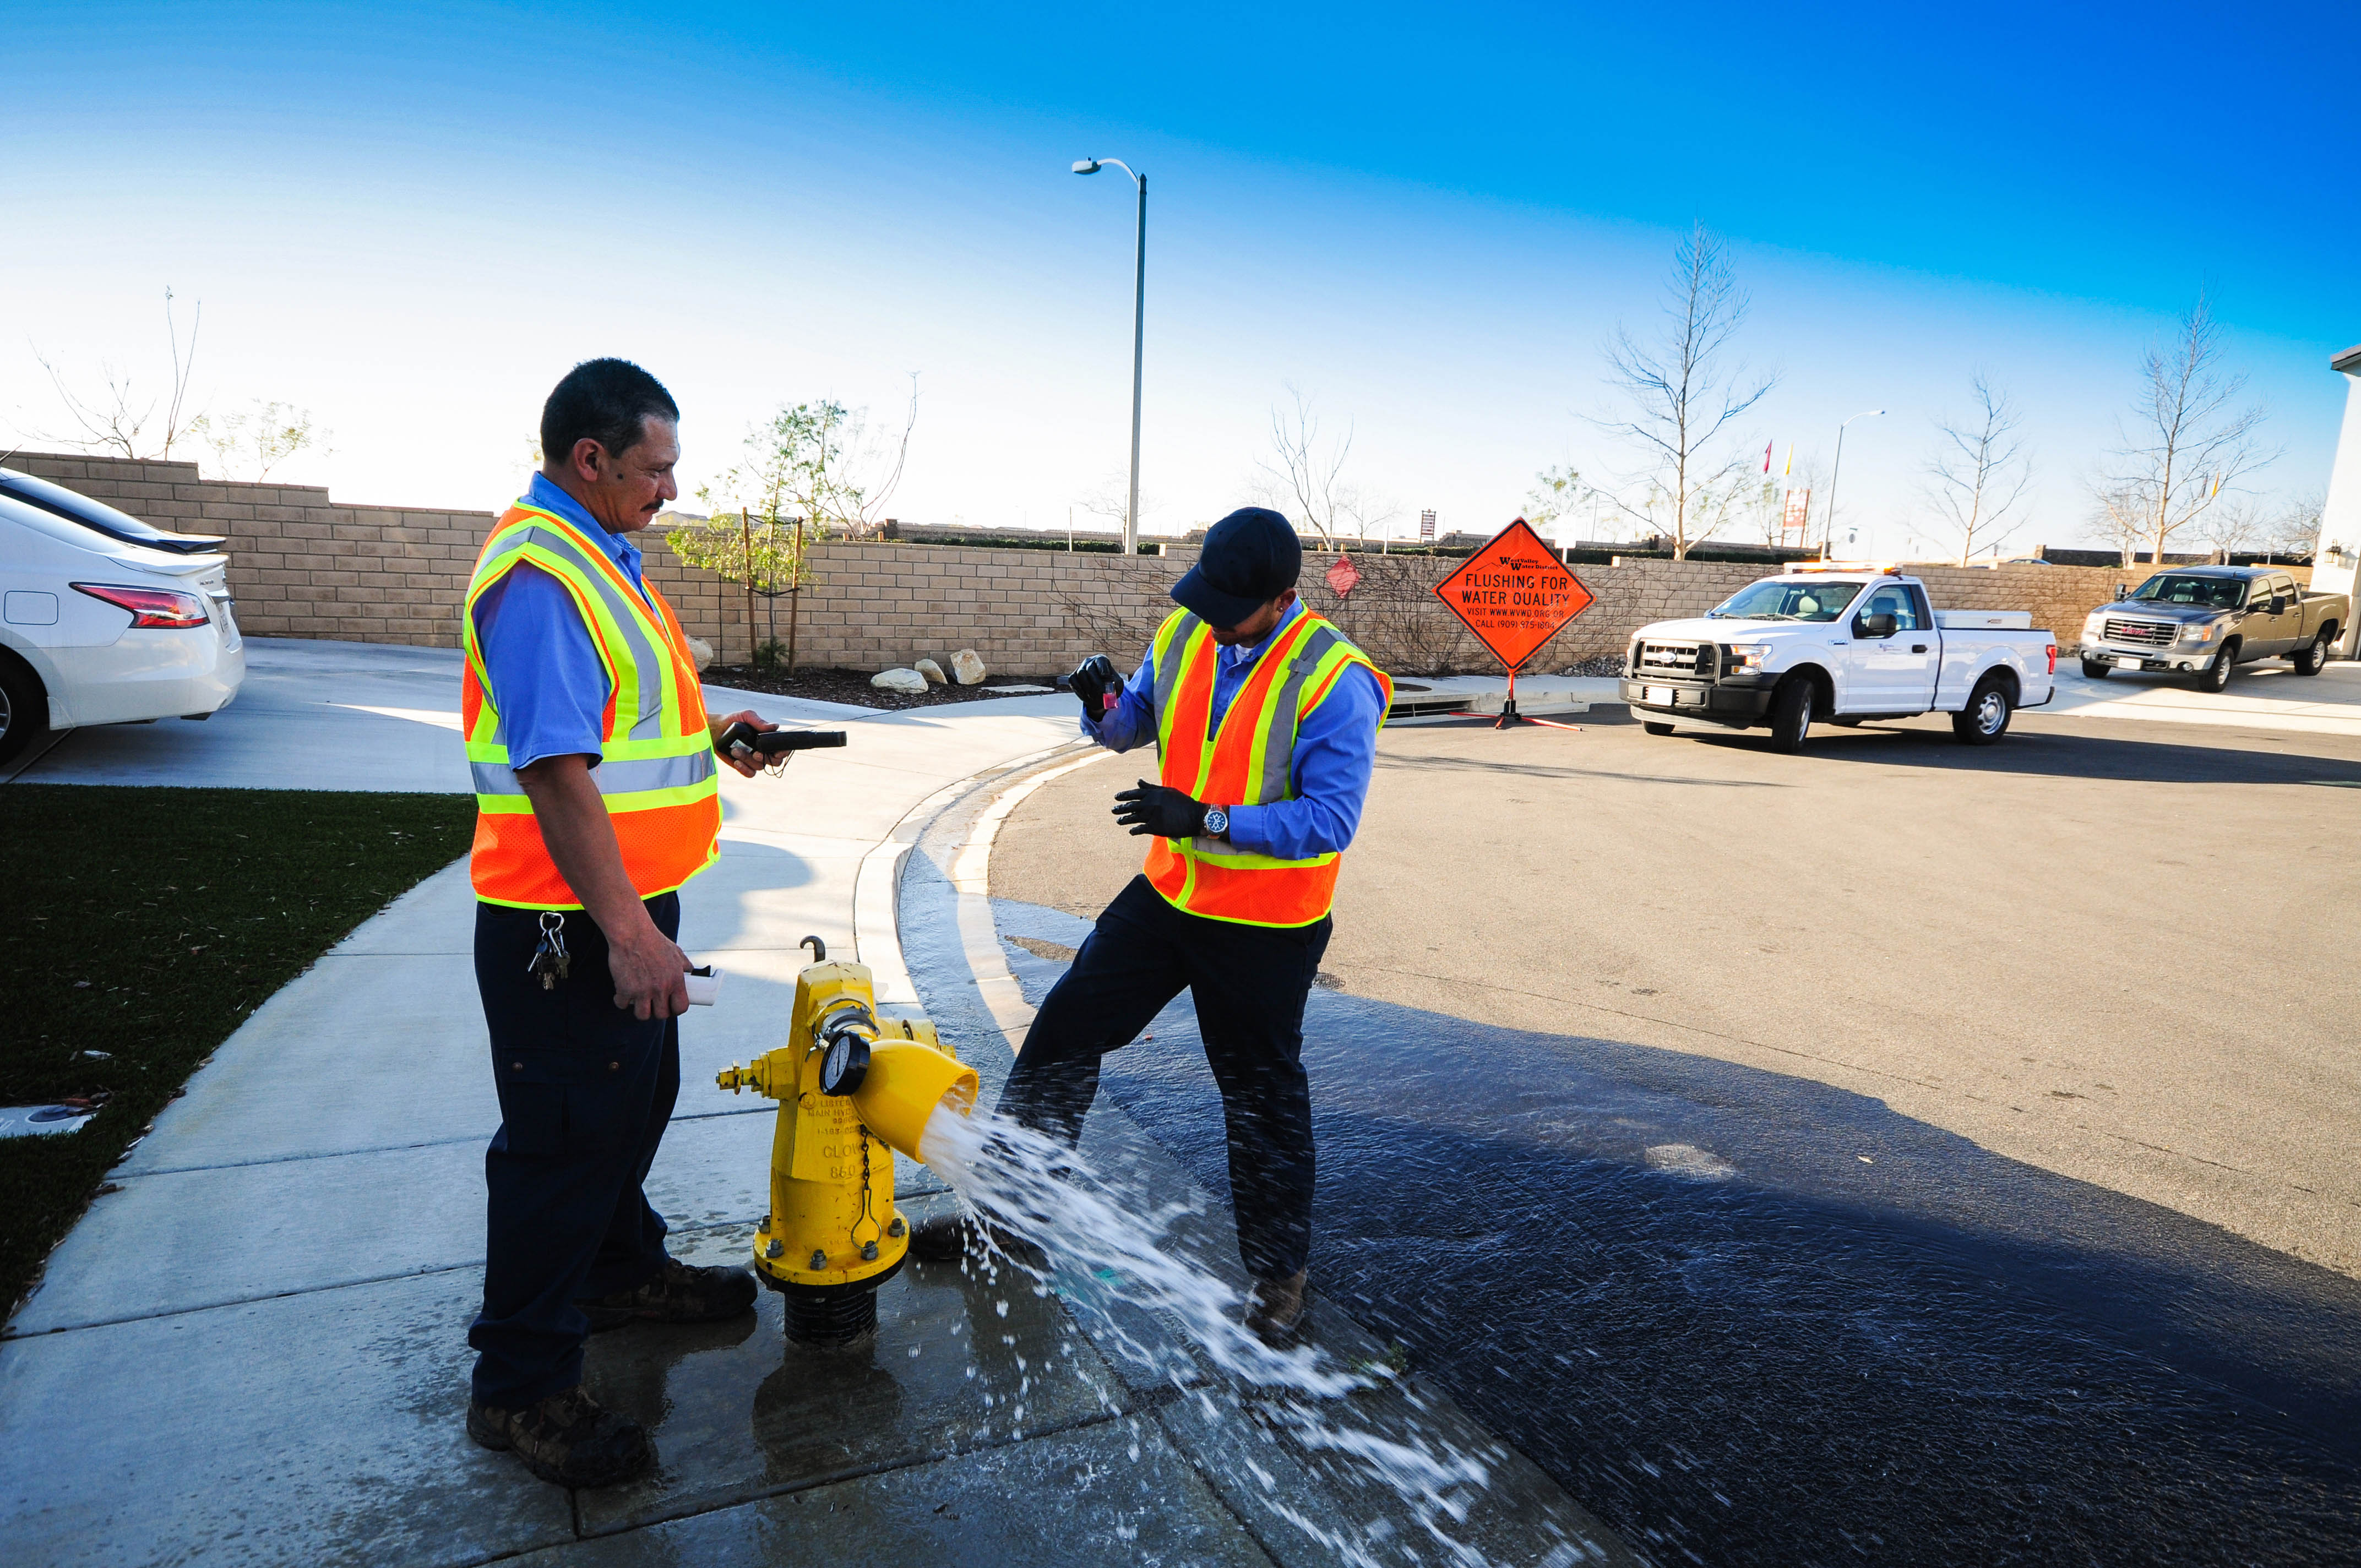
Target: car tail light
2053, 658
150, 607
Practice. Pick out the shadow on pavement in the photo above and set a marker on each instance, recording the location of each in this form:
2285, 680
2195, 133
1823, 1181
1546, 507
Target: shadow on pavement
2051, 753
1758, 1320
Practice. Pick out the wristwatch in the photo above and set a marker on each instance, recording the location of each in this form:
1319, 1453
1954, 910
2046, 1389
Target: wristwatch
1217, 821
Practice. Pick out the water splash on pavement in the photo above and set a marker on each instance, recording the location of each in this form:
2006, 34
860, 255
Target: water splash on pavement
1100, 1229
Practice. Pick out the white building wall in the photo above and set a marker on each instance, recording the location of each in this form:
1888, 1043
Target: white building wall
2339, 552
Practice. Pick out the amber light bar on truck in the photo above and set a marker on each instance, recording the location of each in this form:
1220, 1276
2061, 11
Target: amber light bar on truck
1876, 568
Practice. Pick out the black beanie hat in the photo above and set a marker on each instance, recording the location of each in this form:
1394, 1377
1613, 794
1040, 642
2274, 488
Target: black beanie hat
1250, 558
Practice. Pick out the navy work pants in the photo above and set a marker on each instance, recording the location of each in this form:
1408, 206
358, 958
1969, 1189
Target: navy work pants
1248, 983
585, 1090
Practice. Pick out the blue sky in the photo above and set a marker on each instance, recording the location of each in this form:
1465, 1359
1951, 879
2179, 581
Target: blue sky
411, 219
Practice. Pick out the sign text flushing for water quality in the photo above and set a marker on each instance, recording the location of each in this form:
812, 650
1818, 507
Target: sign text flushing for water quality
1514, 594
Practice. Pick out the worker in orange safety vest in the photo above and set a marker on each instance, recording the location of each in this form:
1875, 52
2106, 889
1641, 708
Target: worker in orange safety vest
598, 795
1265, 717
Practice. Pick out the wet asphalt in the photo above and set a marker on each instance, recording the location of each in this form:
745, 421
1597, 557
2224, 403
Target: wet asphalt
1750, 1319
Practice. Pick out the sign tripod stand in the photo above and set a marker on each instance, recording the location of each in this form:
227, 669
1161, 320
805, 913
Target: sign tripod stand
1514, 594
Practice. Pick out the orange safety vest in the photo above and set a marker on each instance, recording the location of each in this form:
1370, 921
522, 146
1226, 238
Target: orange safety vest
1248, 762
657, 774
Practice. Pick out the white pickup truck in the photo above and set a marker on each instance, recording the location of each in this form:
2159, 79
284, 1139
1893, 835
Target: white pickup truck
1838, 644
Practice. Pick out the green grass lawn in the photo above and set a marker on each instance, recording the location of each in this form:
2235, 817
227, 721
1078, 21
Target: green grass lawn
145, 925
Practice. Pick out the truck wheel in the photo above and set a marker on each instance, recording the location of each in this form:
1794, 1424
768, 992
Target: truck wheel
2309, 658
1985, 719
2215, 676
1790, 716
2095, 671
24, 709
1655, 726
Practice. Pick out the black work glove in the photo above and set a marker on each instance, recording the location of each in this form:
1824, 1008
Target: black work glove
1095, 681
1166, 813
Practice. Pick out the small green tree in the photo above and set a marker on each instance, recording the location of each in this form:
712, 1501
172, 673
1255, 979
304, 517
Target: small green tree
766, 512
810, 472
252, 444
1555, 493
767, 555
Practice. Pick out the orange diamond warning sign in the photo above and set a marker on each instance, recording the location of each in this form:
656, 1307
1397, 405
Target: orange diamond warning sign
1514, 594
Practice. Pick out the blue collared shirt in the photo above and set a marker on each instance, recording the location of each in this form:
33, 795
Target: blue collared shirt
548, 686
1336, 751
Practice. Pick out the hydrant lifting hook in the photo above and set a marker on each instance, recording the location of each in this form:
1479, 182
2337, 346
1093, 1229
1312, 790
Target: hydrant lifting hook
818, 947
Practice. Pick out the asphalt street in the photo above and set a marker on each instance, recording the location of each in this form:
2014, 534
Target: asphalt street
1904, 1152
2115, 950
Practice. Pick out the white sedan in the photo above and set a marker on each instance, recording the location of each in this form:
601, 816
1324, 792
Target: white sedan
105, 619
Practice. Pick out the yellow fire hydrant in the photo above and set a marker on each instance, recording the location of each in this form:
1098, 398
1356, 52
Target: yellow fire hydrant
850, 1089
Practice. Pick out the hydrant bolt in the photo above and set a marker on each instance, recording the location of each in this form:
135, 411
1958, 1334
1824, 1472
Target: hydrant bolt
776, 1249
868, 1251
896, 1228
820, 1258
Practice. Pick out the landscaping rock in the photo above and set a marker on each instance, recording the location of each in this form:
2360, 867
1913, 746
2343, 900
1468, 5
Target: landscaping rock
909, 683
967, 666
932, 671
702, 651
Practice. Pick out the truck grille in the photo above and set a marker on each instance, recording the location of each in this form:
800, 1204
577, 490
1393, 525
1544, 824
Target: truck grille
1691, 659
2142, 634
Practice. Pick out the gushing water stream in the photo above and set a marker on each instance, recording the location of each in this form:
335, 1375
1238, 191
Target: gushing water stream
1100, 1228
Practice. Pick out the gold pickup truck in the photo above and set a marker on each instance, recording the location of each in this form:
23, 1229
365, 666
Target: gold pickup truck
2206, 621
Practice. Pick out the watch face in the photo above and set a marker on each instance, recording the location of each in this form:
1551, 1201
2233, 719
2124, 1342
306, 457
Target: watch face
1217, 821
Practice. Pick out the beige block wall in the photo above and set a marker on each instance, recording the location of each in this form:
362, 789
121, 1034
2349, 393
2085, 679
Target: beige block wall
302, 565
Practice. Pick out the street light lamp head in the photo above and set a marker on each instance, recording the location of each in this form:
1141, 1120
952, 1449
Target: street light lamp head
1086, 166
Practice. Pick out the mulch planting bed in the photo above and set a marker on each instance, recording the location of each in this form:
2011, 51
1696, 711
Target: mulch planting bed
851, 685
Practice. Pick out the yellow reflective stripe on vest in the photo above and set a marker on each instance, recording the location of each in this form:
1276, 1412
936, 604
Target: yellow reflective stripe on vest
1313, 648
613, 777
629, 640
1248, 860
1196, 641
1272, 764
1179, 637
652, 764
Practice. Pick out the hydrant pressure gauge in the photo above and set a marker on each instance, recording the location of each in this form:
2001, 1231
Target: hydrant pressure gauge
846, 1064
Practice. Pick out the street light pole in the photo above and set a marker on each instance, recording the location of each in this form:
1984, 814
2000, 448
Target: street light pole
1836, 472
1138, 333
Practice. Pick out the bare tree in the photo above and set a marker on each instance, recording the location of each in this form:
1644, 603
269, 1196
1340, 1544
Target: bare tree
2294, 528
1111, 499
116, 422
1308, 476
1980, 473
2232, 524
1680, 396
2119, 518
2191, 436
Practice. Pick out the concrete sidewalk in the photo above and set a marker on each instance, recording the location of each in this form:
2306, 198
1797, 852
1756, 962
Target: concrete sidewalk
342, 715
2264, 695
253, 1350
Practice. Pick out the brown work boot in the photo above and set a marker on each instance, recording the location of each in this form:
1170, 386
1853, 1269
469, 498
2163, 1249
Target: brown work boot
676, 1293
1278, 1311
952, 1236
569, 1439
